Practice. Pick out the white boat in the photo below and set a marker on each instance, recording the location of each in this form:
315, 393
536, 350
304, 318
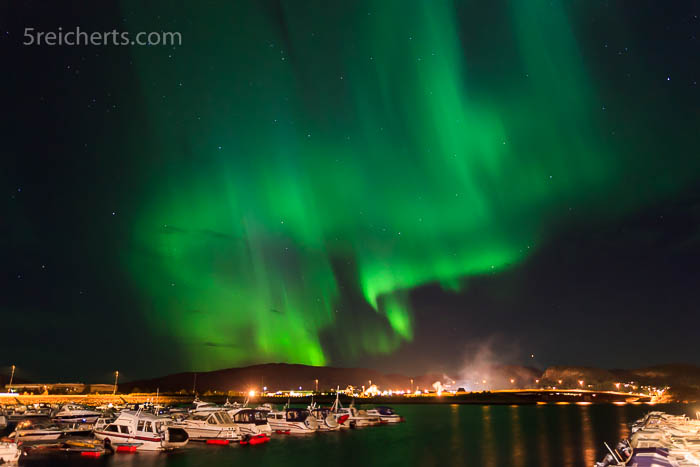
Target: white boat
250, 421
385, 414
202, 406
207, 425
31, 430
74, 413
326, 418
357, 418
22, 412
155, 433
9, 453
292, 421
350, 417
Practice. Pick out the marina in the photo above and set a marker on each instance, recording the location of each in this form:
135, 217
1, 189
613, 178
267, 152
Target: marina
83, 430
519, 436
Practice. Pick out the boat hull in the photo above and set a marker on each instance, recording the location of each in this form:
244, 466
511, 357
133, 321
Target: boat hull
148, 443
9, 453
293, 428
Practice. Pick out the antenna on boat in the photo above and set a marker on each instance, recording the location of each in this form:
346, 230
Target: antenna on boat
336, 404
116, 381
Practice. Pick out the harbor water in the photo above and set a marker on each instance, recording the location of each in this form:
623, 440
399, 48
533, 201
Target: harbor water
433, 435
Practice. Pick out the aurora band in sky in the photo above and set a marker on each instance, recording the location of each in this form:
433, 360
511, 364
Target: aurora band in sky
311, 155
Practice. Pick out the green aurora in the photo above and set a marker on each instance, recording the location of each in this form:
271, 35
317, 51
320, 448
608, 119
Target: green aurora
312, 154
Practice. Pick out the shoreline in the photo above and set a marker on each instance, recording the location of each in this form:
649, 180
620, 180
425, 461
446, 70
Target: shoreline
507, 397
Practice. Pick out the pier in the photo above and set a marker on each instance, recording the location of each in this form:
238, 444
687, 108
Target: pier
507, 396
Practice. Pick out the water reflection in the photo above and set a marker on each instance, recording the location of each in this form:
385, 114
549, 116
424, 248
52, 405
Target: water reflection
516, 429
622, 422
566, 442
589, 450
543, 439
456, 440
489, 454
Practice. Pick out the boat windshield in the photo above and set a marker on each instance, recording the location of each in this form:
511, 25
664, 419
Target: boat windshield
385, 410
260, 417
297, 415
224, 418
244, 416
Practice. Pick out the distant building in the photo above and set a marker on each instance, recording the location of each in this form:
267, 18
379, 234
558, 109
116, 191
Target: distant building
60, 388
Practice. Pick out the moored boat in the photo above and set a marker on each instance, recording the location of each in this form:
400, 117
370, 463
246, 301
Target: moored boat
33, 430
292, 421
74, 413
9, 453
250, 421
326, 418
385, 414
155, 433
208, 425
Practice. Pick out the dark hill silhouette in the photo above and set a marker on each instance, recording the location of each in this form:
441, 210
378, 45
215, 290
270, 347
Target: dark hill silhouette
279, 376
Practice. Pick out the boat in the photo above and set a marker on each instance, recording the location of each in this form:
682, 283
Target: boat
350, 417
250, 421
658, 439
292, 421
202, 426
9, 453
326, 418
154, 432
33, 430
357, 418
385, 414
15, 413
201, 406
74, 413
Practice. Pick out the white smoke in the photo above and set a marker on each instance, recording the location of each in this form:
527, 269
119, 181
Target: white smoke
489, 365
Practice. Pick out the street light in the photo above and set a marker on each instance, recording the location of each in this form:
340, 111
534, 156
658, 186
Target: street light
116, 381
580, 382
12, 376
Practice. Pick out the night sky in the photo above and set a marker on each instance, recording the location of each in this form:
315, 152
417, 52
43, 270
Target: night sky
385, 184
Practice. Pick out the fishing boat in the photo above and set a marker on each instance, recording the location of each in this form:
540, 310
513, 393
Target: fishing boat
350, 417
292, 421
356, 418
250, 421
202, 426
74, 413
155, 433
326, 418
9, 453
